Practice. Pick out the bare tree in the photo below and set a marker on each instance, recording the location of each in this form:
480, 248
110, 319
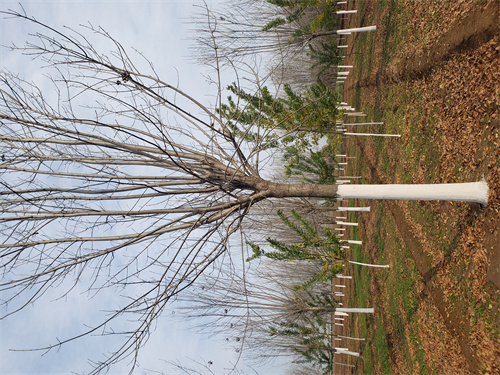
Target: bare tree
241, 35
244, 309
123, 179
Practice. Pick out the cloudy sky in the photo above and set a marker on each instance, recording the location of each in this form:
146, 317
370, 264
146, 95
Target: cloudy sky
158, 30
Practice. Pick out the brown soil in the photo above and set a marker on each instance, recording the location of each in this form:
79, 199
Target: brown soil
458, 61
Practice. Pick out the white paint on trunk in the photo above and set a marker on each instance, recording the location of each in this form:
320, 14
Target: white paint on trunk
374, 135
356, 209
346, 11
355, 354
365, 310
357, 30
467, 192
370, 265
347, 223
363, 123
343, 364
340, 276
352, 338
355, 242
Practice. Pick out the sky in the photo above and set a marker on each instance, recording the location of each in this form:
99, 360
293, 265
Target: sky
159, 31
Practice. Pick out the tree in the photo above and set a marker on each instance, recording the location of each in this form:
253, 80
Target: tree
308, 17
313, 247
297, 120
316, 168
242, 35
122, 179
309, 339
245, 308
325, 57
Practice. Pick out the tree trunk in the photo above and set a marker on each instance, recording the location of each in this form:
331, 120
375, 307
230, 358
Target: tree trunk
343, 364
362, 123
468, 192
351, 338
366, 310
369, 264
355, 354
355, 209
357, 30
347, 223
374, 134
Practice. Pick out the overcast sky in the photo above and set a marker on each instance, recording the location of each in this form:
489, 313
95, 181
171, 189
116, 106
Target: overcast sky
157, 29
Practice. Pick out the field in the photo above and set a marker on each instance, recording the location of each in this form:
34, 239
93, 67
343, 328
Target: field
431, 73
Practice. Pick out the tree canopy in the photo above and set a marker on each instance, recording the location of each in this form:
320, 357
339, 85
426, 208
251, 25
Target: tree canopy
120, 178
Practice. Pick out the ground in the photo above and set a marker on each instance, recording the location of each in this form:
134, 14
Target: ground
431, 72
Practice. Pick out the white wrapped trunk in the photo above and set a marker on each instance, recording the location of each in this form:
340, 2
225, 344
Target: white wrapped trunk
366, 310
369, 264
356, 30
466, 192
356, 209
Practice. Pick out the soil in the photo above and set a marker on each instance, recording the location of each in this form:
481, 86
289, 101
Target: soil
458, 59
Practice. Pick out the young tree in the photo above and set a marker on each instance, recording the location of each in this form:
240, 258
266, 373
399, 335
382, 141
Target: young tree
309, 339
263, 303
296, 120
245, 29
314, 247
309, 18
124, 179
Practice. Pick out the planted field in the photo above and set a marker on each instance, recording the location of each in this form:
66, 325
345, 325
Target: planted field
431, 73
